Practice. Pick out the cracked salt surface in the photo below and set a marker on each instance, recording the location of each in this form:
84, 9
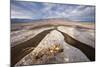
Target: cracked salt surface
70, 54
20, 36
82, 36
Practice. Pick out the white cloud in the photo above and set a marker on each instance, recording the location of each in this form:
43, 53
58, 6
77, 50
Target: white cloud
19, 12
21, 15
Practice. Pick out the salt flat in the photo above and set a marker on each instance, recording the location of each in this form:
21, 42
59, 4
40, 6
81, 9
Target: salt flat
52, 41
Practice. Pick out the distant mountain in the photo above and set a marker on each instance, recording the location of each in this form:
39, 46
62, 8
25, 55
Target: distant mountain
16, 20
21, 20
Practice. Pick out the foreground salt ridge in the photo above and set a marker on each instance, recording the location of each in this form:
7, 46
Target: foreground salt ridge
20, 36
82, 36
70, 54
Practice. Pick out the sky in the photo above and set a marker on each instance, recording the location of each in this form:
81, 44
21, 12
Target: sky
40, 10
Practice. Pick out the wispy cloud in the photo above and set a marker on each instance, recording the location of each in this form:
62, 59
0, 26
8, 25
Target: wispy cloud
37, 10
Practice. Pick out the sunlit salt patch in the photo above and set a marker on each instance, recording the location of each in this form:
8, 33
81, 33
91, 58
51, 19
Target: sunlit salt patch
53, 38
82, 36
24, 35
66, 59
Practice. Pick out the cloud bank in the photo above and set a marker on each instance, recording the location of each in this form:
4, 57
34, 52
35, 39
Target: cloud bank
40, 10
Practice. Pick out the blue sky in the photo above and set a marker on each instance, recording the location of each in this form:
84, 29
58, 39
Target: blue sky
40, 10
